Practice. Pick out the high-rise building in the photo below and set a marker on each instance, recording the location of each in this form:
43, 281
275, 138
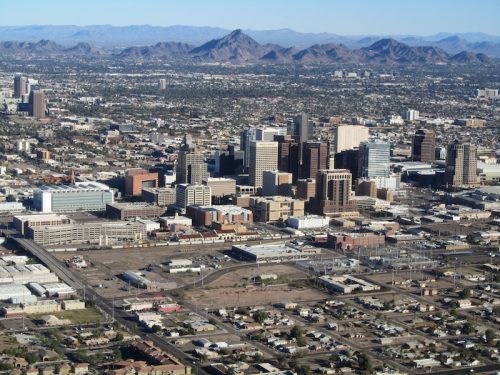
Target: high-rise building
424, 145
410, 115
333, 192
276, 183
37, 103
20, 83
461, 165
348, 159
188, 195
374, 159
191, 168
263, 157
348, 137
289, 154
246, 136
315, 156
137, 179
302, 127
266, 134
162, 84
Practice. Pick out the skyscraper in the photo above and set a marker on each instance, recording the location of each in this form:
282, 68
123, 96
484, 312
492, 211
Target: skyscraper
37, 103
333, 192
374, 159
302, 127
20, 83
288, 154
461, 165
348, 137
257, 134
263, 157
424, 145
315, 156
191, 168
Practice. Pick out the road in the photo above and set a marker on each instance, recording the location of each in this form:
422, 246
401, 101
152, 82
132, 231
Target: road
76, 282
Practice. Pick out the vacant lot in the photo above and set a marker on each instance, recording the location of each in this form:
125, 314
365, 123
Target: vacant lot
251, 295
244, 276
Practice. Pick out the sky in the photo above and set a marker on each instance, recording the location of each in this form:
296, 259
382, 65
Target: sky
346, 17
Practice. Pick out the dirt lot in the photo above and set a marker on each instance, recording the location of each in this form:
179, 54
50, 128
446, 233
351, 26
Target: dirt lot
251, 296
243, 276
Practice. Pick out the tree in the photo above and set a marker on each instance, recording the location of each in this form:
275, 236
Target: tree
468, 328
364, 362
156, 328
465, 293
119, 336
489, 336
260, 316
296, 332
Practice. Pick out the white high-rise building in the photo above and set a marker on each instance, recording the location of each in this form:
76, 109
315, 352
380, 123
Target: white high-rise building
263, 157
348, 137
187, 195
410, 115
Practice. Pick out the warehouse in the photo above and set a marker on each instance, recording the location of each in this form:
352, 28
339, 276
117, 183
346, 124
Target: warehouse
59, 290
24, 274
275, 253
13, 291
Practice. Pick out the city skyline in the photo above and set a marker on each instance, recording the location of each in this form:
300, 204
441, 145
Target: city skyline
360, 17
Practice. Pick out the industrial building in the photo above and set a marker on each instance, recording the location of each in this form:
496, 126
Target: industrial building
182, 265
69, 198
275, 253
100, 233
14, 292
140, 281
24, 274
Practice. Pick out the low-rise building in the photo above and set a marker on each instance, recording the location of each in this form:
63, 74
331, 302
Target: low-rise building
221, 187
308, 221
277, 208
350, 241
275, 253
123, 211
100, 233
206, 215
346, 284
159, 196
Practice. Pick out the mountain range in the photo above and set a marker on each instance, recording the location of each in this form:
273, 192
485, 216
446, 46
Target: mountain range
119, 37
238, 47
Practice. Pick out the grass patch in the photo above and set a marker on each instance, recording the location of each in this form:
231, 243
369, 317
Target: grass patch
89, 315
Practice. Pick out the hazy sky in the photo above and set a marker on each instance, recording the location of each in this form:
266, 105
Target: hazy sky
421, 17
